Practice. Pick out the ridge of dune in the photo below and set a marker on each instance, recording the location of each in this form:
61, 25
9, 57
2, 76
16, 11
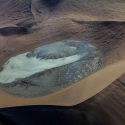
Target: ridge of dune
74, 94
100, 23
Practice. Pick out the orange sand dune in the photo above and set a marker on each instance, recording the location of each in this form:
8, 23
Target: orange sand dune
72, 95
101, 23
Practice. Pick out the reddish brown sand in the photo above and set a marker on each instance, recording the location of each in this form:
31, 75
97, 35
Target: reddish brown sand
72, 95
81, 20
105, 108
84, 20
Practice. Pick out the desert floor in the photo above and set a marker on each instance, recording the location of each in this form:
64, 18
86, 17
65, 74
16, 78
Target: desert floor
99, 99
105, 108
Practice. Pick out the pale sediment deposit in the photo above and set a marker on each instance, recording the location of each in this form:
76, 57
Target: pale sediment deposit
49, 68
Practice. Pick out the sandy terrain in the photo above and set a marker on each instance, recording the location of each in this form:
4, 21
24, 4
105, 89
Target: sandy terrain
106, 107
72, 95
27, 24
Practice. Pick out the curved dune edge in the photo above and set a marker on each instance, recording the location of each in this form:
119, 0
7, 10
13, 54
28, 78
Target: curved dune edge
72, 95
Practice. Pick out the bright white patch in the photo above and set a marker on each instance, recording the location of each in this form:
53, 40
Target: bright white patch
21, 67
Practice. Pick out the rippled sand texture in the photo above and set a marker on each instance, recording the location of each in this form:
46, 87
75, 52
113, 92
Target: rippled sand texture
27, 24
23, 28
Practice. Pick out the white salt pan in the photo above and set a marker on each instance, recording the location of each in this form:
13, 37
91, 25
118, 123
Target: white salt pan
21, 67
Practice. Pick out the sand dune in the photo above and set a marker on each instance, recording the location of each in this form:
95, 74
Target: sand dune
98, 99
106, 107
27, 24
72, 95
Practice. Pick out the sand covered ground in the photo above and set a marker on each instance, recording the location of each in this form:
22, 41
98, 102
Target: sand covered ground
105, 108
27, 24
73, 94
98, 99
